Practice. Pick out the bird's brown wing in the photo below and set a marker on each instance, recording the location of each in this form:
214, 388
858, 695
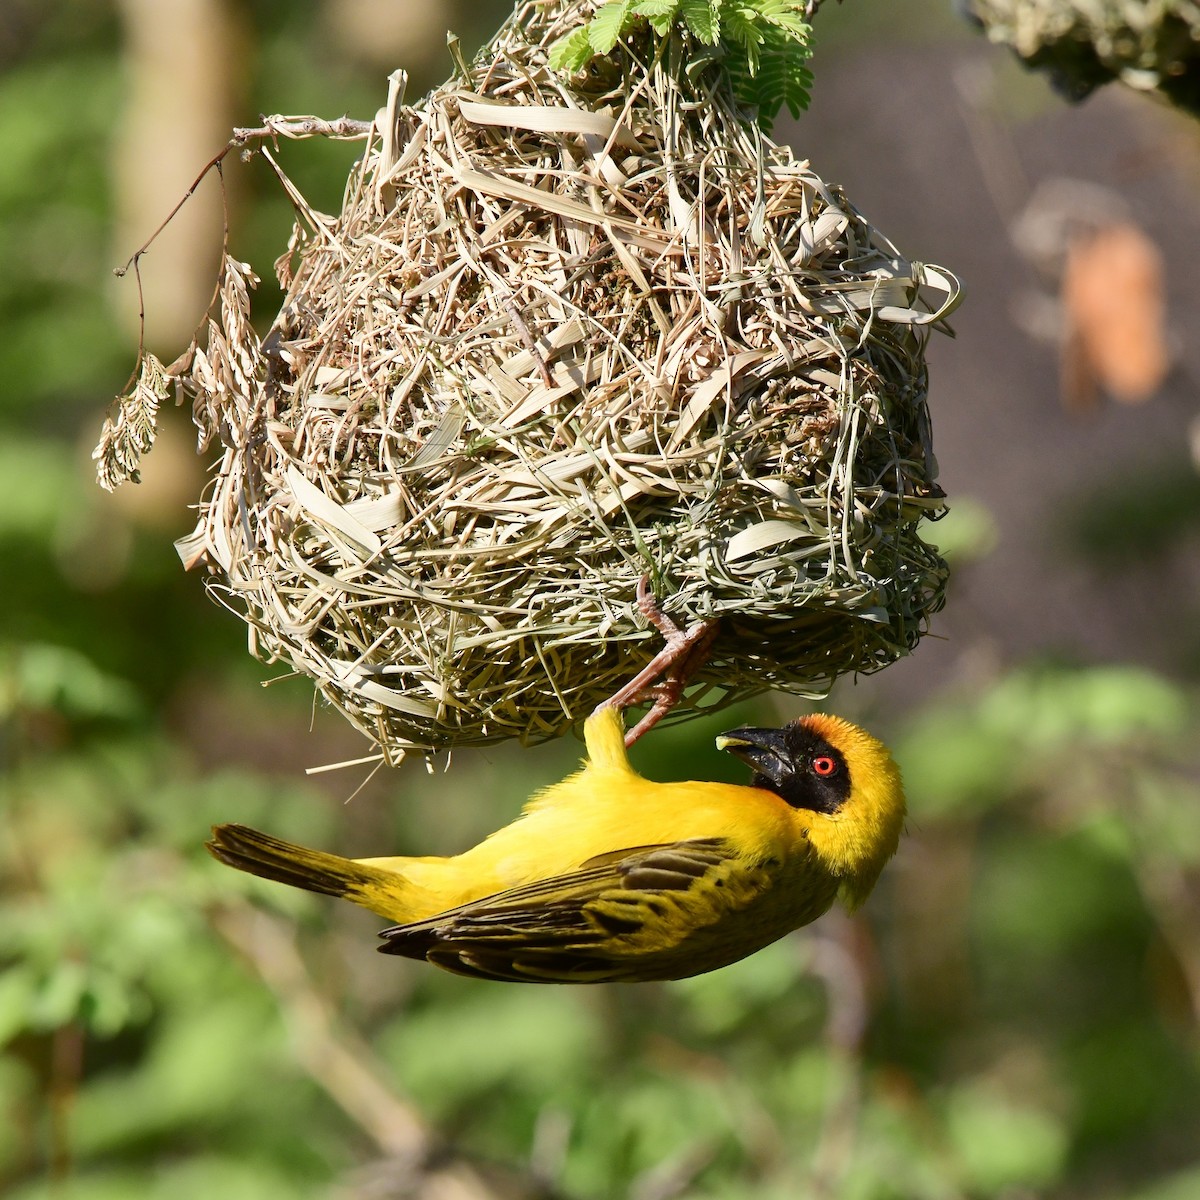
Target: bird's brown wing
621, 915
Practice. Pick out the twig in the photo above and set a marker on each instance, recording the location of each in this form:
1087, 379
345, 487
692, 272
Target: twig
834, 961
340, 1064
674, 1176
342, 128
522, 329
66, 1072
1166, 887
330, 1055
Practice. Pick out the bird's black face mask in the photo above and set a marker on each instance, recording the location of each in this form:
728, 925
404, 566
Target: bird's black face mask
795, 763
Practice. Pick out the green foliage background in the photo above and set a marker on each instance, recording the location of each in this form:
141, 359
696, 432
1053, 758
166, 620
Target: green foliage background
1015, 1014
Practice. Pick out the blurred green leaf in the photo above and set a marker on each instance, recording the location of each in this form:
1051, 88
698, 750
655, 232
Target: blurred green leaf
1001, 1145
1047, 706
1167, 816
1057, 919
59, 679
1183, 1185
1131, 1084
721, 1001
56, 116
18, 986
952, 761
1138, 517
39, 483
201, 1176
1037, 901
966, 533
56, 1001
970, 755
528, 1042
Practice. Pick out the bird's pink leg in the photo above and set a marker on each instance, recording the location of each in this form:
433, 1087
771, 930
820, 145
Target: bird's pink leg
668, 673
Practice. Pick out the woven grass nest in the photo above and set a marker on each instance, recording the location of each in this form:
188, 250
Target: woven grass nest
564, 333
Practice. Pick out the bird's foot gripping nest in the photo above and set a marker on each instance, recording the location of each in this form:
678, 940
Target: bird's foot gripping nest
662, 681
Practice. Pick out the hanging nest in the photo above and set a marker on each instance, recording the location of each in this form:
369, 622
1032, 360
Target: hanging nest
1151, 45
564, 333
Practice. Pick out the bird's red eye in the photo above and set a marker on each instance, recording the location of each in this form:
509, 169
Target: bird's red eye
824, 765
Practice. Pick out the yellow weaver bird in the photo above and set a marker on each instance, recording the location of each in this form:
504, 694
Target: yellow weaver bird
610, 876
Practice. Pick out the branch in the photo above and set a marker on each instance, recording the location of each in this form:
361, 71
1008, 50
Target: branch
331, 1056
341, 1065
344, 129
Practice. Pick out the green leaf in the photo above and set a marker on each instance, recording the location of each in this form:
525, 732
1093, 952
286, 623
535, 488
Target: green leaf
787, 15
703, 19
609, 24
660, 13
773, 77
741, 28
572, 53
656, 9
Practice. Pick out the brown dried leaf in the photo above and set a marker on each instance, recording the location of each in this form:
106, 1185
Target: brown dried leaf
130, 426
1114, 309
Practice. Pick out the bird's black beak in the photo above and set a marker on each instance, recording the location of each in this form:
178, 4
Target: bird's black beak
763, 750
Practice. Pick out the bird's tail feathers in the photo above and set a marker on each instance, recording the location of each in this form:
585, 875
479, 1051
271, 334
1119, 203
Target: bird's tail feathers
247, 849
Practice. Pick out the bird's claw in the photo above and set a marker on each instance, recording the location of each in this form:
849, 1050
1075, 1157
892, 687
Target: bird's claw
664, 678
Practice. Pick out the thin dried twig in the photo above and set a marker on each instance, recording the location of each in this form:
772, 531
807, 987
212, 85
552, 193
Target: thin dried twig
333, 1057
329, 1054
344, 128
835, 963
